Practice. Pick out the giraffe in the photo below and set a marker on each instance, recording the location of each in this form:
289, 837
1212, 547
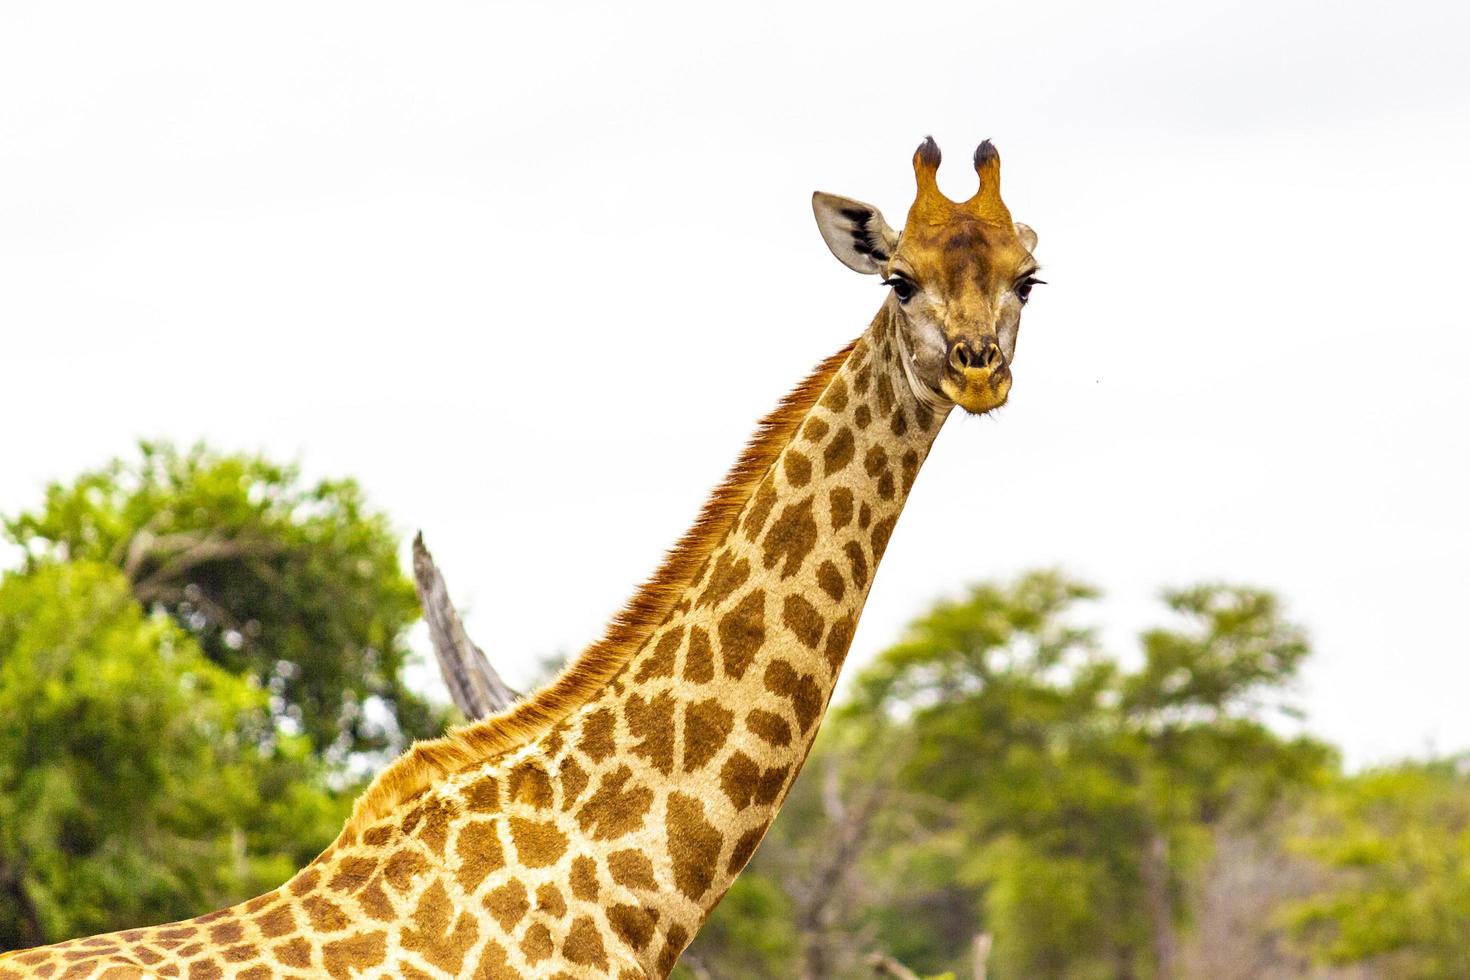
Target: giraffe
590, 830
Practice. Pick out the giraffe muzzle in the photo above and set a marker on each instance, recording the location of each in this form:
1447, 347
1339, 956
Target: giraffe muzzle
978, 378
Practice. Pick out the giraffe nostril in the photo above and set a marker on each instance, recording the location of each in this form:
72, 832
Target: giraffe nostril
965, 356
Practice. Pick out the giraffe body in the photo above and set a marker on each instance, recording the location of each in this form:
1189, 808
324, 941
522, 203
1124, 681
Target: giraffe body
591, 832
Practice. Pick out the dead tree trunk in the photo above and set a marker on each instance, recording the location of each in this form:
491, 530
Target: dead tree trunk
474, 685
1157, 893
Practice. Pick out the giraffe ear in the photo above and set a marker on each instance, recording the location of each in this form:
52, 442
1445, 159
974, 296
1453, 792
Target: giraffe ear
855, 232
1027, 236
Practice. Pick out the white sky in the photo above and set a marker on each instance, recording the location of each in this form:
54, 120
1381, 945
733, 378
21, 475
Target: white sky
579, 236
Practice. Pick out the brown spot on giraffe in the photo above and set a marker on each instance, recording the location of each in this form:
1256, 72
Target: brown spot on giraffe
631, 869
495, 964
277, 922
744, 848
435, 831
742, 631
739, 778
198, 970
899, 423
325, 915
356, 953
583, 945
401, 868
838, 453
352, 874
839, 639
699, 660
730, 572
651, 723
375, 902
432, 936
791, 538
694, 845
550, 901
480, 853
880, 534
483, 795
538, 843
226, 933
839, 504
299, 885
835, 400
530, 784
295, 953
584, 878
857, 562
616, 808
802, 618
769, 726
597, 735
574, 780
661, 662
798, 468
760, 509
537, 944
508, 903
910, 464
831, 581
707, 724
634, 924
674, 942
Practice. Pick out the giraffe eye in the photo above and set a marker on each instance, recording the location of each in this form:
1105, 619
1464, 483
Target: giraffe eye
1023, 288
902, 287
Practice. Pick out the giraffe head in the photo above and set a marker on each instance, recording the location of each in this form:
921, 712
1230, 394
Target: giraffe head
960, 274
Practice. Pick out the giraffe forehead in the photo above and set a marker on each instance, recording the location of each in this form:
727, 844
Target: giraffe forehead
962, 252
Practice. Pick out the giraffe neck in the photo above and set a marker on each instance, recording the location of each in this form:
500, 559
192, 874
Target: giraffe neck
714, 716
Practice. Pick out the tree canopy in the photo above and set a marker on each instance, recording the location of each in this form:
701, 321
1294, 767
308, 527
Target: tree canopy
292, 583
200, 658
134, 785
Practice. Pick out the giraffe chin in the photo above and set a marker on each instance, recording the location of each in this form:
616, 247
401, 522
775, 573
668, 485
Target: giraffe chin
979, 391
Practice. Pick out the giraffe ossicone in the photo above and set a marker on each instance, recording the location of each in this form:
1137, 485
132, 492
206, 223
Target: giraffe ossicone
589, 830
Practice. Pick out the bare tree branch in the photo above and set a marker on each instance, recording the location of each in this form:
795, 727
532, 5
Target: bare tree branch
887, 966
821, 893
177, 553
474, 685
981, 949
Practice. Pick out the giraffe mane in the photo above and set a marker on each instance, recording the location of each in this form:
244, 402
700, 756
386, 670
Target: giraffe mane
426, 762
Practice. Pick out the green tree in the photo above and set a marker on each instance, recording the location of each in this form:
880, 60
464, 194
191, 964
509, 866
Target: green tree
296, 585
139, 781
1398, 840
1034, 788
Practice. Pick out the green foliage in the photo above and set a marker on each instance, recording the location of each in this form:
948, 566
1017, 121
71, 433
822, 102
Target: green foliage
135, 784
1399, 839
1037, 789
297, 586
